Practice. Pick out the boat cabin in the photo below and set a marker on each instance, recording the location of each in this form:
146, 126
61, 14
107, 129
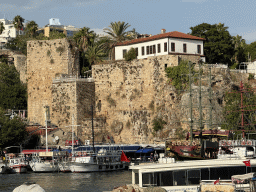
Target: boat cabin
185, 173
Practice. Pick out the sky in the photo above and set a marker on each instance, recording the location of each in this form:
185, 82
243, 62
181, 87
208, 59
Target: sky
146, 16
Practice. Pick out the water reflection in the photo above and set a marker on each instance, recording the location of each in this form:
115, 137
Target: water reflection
67, 182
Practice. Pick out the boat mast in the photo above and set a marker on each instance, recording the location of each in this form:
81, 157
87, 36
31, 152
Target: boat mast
46, 128
200, 105
92, 131
72, 126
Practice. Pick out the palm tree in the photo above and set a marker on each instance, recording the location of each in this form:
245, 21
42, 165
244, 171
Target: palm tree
94, 53
84, 38
240, 46
117, 33
18, 22
2, 28
31, 28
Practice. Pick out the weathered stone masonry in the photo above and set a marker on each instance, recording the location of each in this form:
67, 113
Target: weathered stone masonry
126, 96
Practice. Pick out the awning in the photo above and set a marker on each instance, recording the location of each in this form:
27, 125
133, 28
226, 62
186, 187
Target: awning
145, 150
30, 151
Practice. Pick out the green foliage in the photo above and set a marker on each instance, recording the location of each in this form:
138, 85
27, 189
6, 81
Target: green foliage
232, 109
60, 49
2, 28
179, 74
151, 105
51, 61
84, 69
130, 55
218, 47
18, 22
31, 28
118, 31
20, 42
94, 54
158, 124
234, 66
56, 35
13, 94
12, 132
48, 53
251, 49
251, 76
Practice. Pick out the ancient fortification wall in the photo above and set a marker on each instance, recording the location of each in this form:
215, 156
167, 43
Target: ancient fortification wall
47, 60
130, 94
19, 60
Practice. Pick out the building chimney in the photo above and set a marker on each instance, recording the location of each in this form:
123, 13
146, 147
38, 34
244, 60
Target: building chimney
163, 31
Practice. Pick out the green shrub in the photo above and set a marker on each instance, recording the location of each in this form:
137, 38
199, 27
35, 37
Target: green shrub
130, 55
251, 76
158, 124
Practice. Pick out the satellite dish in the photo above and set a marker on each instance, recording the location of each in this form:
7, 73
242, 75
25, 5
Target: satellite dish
57, 138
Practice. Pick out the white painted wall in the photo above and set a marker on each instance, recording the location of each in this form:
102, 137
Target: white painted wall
119, 49
191, 47
251, 68
9, 31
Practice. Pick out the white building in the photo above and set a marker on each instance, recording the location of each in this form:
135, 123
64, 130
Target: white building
9, 32
162, 44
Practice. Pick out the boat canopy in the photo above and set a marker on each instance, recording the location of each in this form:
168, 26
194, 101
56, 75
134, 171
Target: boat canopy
145, 150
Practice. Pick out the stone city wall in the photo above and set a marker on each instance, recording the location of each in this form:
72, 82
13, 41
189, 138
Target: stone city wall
46, 60
130, 94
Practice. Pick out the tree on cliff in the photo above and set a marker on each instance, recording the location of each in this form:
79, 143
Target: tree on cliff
232, 110
251, 51
218, 47
84, 38
18, 22
31, 28
94, 53
2, 28
117, 32
240, 46
13, 94
12, 131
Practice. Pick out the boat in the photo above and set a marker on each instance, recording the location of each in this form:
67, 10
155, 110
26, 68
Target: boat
103, 160
46, 161
171, 174
17, 162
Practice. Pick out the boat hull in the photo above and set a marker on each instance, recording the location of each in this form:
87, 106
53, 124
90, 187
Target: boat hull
44, 167
87, 167
19, 168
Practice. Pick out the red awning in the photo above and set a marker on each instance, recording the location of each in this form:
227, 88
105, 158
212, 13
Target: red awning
30, 151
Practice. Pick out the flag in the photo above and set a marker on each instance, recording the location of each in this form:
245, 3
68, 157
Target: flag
247, 163
124, 157
217, 181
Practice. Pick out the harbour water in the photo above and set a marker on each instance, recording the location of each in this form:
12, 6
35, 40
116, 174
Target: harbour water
67, 182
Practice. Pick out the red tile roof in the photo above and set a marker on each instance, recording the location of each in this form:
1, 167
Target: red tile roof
173, 34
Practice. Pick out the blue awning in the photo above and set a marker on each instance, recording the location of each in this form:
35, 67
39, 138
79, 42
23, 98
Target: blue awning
145, 150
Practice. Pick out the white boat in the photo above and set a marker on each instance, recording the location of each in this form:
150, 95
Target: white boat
17, 162
104, 160
237, 149
169, 174
46, 161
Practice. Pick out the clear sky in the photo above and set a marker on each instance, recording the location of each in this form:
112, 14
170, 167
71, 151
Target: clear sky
146, 16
